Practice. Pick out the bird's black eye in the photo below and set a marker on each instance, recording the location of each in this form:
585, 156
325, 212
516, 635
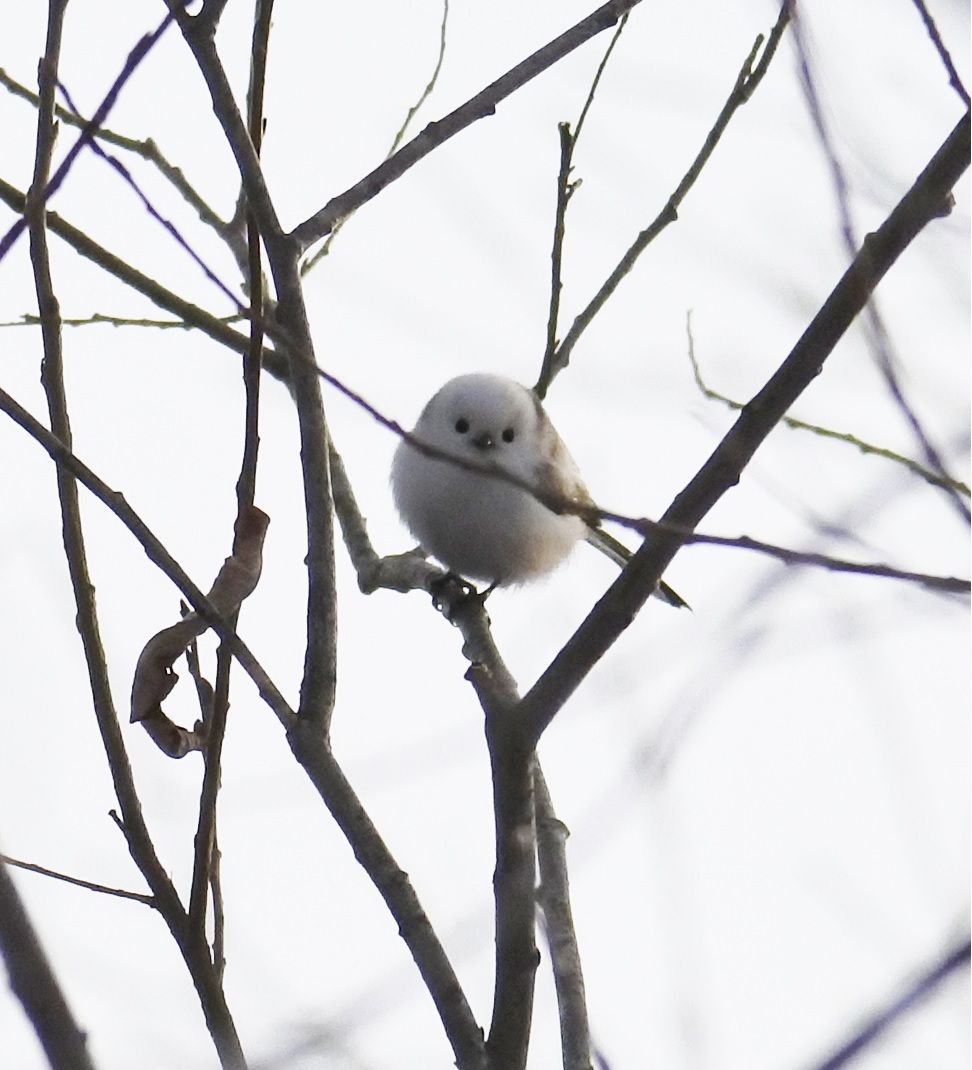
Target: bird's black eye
509, 434
462, 425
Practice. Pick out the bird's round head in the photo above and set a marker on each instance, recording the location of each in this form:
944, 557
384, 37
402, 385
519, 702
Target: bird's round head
487, 417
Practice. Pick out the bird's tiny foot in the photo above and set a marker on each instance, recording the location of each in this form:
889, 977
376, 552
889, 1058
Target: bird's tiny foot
450, 591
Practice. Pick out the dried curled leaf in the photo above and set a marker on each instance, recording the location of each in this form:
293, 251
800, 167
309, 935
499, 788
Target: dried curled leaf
154, 676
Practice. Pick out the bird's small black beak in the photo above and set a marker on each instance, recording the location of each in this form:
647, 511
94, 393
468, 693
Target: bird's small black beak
483, 441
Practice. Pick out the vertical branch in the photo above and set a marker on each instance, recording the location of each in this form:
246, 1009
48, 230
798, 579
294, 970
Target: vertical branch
514, 879
565, 189
204, 878
554, 896
319, 684
514, 888
140, 845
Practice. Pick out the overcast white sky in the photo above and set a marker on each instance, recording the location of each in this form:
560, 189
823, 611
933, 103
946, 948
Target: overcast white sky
768, 796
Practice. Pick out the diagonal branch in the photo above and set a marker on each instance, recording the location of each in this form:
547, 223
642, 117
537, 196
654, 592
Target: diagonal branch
943, 54
955, 958
565, 190
191, 315
51, 186
205, 842
325, 248
554, 900
619, 606
78, 882
480, 106
154, 550
146, 149
33, 982
314, 755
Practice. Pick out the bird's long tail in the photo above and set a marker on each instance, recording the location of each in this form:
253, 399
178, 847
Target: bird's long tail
621, 555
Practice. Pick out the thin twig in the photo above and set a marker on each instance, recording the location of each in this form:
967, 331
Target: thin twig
746, 82
396, 141
170, 228
28, 319
91, 886
478, 107
823, 432
205, 842
560, 504
565, 190
430, 85
936, 39
943, 584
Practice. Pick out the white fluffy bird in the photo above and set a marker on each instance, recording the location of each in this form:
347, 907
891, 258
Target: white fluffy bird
481, 527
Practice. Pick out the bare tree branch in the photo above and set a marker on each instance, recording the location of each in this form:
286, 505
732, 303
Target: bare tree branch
619, 606
314, 755
405, 572
91, 886
170, 228
944, 584
515, 874
565, 190
325, 249
165, 898
554, 899
319, 684
478, 107
920, 470
936, 39
154, 550
205, 840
